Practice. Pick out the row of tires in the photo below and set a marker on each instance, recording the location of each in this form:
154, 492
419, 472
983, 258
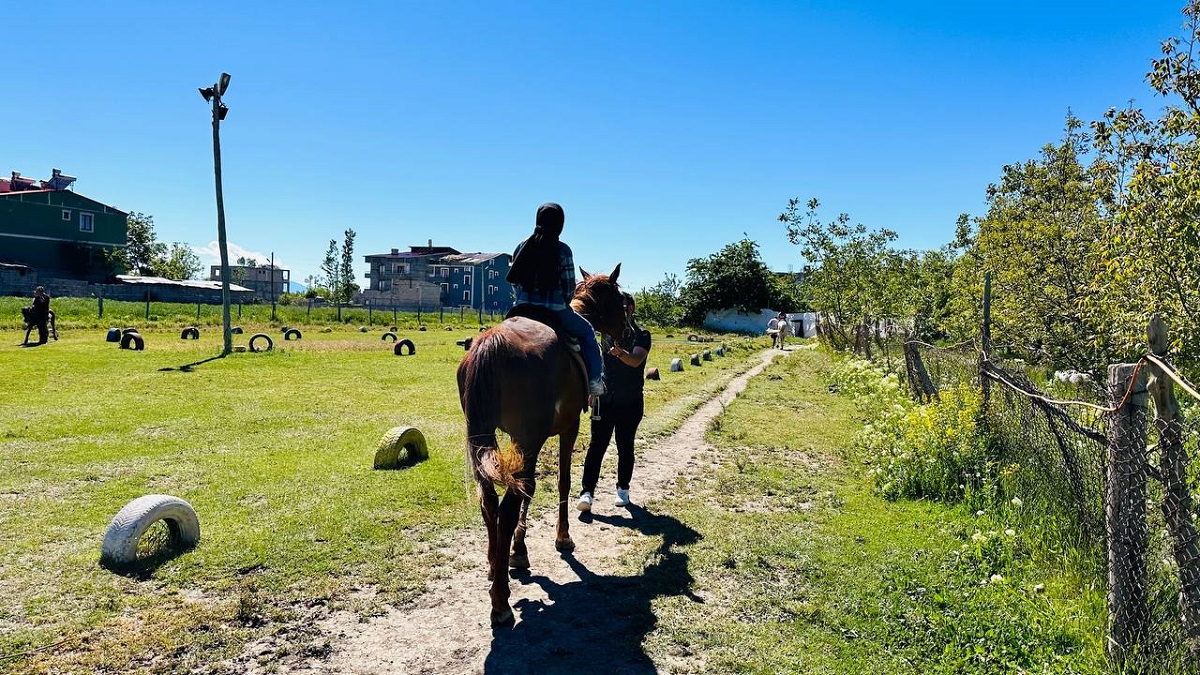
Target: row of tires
400, 446
131, 339
695, 359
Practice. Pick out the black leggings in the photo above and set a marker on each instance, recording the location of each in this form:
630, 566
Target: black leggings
624, 419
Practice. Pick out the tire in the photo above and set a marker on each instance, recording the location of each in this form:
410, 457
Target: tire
695, 359
693, 338
114, 335
401, 445
190, 333
706, 355
236, 330
394, 329
422, 329
127, 331
131, 522
261, 336
133, 341
652, 374
363, 329
676, 365
292, 334
401, 345
389, 336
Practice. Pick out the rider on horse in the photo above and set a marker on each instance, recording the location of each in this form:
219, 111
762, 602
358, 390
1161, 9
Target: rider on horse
543, 273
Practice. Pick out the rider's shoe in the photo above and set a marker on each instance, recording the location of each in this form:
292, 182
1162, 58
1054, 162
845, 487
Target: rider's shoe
596, 387
585, 501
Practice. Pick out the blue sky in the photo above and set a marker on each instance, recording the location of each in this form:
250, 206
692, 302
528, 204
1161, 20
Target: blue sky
665, 129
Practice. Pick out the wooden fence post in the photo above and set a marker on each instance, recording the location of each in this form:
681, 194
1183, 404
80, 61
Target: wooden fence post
1125, 514
1177, 498
985, 342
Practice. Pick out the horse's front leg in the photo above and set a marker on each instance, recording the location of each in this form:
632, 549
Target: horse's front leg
566, 444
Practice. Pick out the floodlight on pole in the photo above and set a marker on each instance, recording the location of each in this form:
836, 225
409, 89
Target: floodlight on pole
213, 95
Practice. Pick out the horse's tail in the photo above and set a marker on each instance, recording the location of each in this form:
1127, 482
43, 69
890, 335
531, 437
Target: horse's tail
481, 402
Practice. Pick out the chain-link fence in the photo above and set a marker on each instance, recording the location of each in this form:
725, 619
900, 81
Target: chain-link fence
1106, 467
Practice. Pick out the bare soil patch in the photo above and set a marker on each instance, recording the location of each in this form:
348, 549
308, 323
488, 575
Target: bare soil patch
576, 613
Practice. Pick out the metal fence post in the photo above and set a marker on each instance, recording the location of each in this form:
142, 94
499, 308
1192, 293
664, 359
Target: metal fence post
1125, 514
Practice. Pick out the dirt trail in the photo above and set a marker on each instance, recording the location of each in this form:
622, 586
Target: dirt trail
574, 614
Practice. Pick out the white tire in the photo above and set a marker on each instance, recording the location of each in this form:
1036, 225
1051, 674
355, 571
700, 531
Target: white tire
127, 527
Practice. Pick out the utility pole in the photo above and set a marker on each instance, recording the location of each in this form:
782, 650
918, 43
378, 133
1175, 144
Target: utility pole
219, 110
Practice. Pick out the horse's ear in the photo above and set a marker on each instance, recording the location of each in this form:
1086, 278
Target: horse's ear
584, 273
616, 270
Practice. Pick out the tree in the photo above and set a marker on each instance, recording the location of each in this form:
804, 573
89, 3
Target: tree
660, 304
181, 262
853, 274
734, 278
346, 286
144, 255
1150, 168
142, 248
332, 269
1039, 241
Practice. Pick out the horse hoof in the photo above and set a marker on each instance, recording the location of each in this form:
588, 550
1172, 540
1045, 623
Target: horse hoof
504, 618
564, 545
520, 562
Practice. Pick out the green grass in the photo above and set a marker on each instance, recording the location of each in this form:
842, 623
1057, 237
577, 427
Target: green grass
275, 453
800, 568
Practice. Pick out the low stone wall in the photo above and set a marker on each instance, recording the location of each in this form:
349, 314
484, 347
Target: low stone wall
14, 283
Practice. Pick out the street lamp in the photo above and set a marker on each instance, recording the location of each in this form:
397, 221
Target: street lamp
213, 95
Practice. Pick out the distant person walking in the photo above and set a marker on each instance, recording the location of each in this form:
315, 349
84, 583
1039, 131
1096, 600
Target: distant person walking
39, 314
778, 328
620, 410
543, 273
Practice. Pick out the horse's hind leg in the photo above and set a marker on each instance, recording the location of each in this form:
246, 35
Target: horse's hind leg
507, 524
519, 559
489, 508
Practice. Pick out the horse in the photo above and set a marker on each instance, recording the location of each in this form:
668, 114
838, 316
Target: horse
522, 377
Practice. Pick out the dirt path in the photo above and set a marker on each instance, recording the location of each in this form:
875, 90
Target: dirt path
575, 615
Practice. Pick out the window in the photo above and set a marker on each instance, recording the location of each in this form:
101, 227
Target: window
445, 288
445, 272
467, 280
466, 296
67, 214
491, 290
86, 224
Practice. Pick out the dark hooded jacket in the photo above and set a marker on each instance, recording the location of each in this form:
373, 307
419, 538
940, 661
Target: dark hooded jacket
543, 266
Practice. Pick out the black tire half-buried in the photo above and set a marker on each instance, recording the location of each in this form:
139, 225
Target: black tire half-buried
292, 334
261, 336
403, 345
190, 333
132, 341
389, 336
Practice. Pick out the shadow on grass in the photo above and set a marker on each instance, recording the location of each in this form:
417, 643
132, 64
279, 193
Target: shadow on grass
596, 624
189, 367
144, 567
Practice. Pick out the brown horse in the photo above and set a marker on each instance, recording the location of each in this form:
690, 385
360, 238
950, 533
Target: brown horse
521, 377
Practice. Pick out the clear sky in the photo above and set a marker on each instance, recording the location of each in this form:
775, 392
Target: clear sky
665, 129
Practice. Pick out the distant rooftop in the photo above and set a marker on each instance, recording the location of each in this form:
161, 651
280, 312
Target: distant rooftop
18, 183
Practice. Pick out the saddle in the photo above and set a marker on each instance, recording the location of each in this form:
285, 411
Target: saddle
549, 317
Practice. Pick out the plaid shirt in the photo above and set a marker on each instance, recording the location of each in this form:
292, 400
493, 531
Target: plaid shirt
561, 299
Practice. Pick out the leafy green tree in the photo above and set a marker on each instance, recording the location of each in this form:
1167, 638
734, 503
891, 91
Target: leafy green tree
1039, 241
180, 262
853, 275
142, 248
346, 286
734, 278
1150, 168
660, 304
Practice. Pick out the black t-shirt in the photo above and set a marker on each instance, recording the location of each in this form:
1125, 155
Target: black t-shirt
624, 383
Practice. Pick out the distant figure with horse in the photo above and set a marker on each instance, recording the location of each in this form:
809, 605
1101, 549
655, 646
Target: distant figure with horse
543, 273
38, 315
779, 329
620, 410
522, 376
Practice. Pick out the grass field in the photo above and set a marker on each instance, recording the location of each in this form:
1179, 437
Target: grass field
274, 451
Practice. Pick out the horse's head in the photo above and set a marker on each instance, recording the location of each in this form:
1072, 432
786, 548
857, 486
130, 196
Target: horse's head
598, 299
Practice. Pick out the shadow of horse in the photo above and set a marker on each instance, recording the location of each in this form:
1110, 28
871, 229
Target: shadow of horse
596, 624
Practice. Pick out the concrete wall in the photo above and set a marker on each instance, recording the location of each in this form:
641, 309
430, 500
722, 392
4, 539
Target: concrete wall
733, 321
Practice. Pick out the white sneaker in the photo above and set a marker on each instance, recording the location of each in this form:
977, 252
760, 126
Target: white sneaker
622, 498
596, 388
585, 502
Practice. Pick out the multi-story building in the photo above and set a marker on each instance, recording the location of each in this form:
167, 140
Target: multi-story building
56, 231
474, 280
267, 281
402, 277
